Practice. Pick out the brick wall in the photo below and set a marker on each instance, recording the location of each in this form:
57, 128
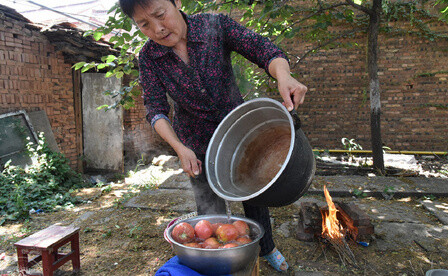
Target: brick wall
337, 104
413, 76
139, 138
33, 77
414, 91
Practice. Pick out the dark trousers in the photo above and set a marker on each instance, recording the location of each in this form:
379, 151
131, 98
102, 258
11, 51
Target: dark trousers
207, 202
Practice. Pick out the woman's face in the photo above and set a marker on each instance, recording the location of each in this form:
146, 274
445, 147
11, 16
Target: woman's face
162, 22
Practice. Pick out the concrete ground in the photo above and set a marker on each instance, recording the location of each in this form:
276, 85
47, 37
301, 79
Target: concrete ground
174, 184
397, 223
386, 200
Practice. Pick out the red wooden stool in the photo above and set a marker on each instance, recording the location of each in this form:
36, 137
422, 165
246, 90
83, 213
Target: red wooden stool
45, 244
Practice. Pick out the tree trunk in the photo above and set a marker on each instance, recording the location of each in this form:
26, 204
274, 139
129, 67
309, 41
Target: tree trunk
375, 99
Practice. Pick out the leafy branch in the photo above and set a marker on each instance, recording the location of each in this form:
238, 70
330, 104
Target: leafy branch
320, 23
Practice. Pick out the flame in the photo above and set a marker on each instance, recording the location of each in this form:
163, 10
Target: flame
330, 224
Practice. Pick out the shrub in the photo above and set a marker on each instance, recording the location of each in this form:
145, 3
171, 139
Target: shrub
47, 184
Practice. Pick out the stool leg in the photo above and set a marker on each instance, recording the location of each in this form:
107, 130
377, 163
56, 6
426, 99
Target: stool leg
22, 261
256, 269
47, 263
76, 262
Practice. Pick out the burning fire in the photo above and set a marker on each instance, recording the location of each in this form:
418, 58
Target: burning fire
330, 224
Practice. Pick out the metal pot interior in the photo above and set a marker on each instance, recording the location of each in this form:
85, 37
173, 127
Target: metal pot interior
253, 149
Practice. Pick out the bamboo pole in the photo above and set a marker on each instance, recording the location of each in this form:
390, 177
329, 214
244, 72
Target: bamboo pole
387, 151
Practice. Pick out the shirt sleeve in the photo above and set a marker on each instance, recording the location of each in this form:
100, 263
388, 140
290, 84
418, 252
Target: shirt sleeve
256, 48
154, 93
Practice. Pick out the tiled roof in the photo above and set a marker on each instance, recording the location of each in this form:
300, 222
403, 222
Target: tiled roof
12, 13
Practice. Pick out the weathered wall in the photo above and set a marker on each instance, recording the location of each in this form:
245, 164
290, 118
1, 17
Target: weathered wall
102, 130
33, 77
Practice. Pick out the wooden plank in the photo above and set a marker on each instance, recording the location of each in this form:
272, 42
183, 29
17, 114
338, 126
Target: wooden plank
256, 270
48, 237
77, 87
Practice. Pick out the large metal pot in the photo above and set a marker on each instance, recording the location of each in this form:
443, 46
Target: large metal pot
219, 261
259, 154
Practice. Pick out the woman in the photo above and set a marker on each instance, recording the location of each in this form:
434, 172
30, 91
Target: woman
188, 57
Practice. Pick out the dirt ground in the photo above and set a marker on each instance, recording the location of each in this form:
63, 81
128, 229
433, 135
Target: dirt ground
129, 241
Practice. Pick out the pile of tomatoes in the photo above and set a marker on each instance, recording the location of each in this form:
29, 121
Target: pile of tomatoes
212, 236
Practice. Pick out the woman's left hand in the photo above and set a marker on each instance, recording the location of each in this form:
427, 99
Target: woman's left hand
292, 92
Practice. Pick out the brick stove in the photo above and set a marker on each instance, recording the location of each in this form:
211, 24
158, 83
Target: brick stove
355, 221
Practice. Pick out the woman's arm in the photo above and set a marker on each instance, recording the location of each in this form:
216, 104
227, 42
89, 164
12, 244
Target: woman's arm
292, 91
190, 164
157, 105
251, 45
265, 54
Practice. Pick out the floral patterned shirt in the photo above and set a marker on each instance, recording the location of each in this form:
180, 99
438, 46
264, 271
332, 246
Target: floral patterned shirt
204, 91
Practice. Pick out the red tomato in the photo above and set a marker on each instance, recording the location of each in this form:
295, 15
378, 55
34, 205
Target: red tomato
243, 240
215, 226
183, 233
226, 233
211, 243
203, 229
193, 244
243, 228
230, 245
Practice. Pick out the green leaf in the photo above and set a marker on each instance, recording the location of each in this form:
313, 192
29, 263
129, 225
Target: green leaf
127, 26
102, 106
113, 39
97, 35
119, 75
110, 58
127, 69
135, 73
113, 8
127, 36
87, 33
78, 65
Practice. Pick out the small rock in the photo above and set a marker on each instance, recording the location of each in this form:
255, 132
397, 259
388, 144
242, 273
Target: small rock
82, 218
428, 157
101, 221
168, 161
94, 179
284, 229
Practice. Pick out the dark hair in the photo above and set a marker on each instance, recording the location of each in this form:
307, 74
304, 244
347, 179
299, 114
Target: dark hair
128, 6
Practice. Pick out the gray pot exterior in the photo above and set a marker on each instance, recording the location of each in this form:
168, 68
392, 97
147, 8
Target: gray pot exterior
294, 180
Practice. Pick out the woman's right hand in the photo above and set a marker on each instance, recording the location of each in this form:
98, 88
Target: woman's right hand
190, 163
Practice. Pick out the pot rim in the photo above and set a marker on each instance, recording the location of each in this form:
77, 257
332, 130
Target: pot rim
219, 129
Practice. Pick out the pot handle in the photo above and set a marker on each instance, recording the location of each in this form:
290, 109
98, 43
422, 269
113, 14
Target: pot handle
296, 119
